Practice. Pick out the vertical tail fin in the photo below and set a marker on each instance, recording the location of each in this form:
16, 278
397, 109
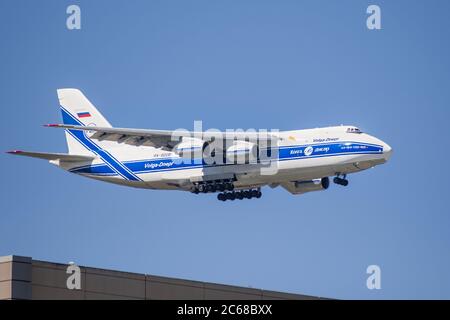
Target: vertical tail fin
78, 110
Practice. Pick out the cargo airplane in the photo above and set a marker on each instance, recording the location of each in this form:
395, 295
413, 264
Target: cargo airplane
236, 165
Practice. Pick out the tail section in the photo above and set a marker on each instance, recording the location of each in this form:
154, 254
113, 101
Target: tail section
79, 107
78, 110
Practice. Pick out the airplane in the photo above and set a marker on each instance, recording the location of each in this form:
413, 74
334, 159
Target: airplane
236, 165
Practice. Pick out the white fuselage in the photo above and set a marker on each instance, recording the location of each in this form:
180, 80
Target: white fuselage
300, 155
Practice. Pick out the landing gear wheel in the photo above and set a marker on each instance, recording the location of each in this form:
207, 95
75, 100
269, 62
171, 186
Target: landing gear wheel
240, 195
229, 186
341, 181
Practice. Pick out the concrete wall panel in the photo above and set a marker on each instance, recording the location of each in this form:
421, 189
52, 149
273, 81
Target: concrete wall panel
110, 284
53, 276
5, 271
102, 296
5, 290
167, 291
54, 293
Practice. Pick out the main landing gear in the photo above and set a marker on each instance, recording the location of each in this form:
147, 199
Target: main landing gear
340, 179
242, 194
226, 187
213, 186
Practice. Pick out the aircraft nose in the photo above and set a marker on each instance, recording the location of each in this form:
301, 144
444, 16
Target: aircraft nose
387, 151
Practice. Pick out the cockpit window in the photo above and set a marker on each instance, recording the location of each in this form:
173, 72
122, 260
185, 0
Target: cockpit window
353, 130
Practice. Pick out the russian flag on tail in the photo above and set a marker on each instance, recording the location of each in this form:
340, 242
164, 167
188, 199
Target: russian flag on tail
83, 114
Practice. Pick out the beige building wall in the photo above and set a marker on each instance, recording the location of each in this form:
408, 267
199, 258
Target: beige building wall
25, 278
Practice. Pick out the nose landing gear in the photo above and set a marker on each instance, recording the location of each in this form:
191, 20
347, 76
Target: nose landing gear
341, 180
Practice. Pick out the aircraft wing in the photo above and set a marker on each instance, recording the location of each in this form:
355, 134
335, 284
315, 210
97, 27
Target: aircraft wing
161, 138
52, 156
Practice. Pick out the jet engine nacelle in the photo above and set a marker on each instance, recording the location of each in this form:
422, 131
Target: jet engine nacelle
190, 147
312, 185
242, 152
299, 187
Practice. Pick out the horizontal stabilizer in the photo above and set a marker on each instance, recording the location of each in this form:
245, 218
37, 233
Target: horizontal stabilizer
52, 156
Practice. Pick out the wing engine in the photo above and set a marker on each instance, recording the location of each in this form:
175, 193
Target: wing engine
300, 187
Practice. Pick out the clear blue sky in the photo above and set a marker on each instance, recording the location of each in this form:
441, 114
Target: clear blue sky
236, 64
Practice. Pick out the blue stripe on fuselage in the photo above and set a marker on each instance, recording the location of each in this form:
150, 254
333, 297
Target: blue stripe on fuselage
109, 160
284, 153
